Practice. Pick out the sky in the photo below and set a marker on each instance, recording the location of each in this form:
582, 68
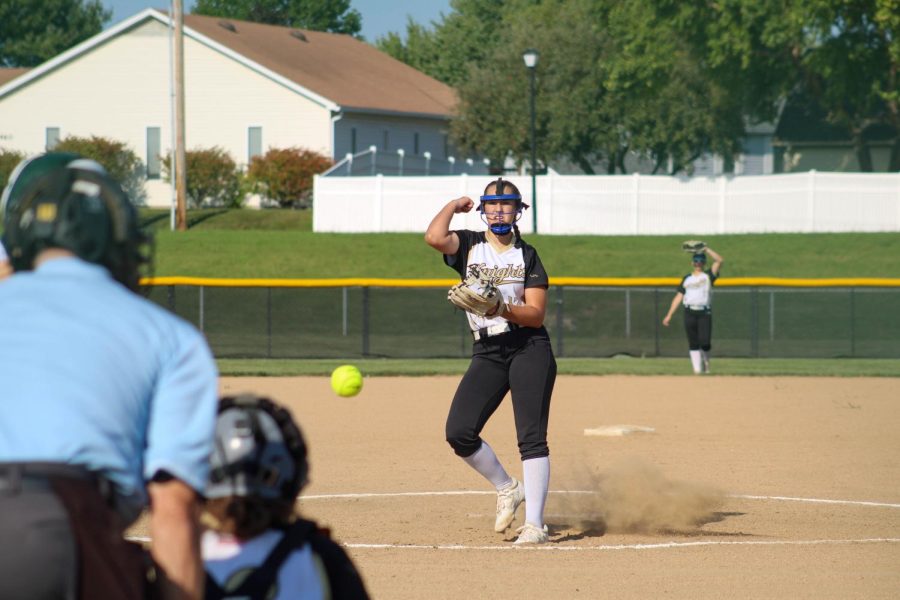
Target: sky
379, 17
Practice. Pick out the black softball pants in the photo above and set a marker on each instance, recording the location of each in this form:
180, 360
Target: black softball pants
698, 326
521, 362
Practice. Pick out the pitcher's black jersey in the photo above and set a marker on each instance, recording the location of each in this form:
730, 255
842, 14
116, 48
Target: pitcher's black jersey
512, 271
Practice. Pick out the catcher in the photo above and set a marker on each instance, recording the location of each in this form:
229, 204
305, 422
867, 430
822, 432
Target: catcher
695, 293
504, 293
256, 546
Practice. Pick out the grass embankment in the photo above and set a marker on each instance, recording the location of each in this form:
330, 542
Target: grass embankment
280, 244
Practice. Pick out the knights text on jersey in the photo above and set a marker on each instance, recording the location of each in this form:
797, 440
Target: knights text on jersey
697, 289
512, 271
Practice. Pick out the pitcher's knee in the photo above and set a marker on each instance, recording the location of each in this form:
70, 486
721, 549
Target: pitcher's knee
463, 443
464, 448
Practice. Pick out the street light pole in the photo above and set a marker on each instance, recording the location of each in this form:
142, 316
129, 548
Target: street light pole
530, 57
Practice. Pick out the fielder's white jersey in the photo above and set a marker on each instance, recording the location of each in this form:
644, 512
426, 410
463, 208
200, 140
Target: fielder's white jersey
512, 270
697, 289
229, 561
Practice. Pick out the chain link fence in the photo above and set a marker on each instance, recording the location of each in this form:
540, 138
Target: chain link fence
375, 321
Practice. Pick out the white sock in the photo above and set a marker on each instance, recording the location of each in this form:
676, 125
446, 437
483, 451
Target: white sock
537, 481
485, 462
704, 355
696, 361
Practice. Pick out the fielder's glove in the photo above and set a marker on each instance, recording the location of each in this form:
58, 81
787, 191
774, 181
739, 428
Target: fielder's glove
693, 246
477, 296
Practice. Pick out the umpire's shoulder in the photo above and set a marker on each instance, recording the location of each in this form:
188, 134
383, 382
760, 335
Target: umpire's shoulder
163, 320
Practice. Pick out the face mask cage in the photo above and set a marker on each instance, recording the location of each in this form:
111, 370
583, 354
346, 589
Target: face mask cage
516, 198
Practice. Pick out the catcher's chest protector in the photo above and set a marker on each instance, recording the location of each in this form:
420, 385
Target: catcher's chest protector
510, 270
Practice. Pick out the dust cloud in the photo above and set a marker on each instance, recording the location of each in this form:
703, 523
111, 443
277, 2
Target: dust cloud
634, 496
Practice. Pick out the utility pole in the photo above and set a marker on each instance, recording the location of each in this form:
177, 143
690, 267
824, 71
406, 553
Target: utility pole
179, 159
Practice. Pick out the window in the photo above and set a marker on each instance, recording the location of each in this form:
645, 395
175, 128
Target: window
254, 143
446, 146
153, 149
415, 143
353, 140
384, 144
52, 138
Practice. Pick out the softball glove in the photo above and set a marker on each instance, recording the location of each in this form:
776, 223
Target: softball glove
477, 296
693, 246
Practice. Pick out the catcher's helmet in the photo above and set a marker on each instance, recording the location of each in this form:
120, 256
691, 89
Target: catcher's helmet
259, 451
60, 200
498, 195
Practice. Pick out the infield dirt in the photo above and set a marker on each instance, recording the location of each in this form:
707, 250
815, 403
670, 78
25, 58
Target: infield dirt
746, 488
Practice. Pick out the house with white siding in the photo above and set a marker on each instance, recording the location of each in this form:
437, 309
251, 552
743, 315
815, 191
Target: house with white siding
248, 87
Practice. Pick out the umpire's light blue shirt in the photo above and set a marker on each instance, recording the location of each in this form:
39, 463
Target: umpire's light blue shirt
93, 374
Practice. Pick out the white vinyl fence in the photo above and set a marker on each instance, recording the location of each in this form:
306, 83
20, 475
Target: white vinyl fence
623, 204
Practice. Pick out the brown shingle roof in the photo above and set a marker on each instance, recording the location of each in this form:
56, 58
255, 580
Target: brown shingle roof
7, 75
347, 71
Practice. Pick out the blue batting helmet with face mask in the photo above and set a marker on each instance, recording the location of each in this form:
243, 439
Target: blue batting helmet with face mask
498, 196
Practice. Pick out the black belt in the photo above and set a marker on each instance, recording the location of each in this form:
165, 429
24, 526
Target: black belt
17, 477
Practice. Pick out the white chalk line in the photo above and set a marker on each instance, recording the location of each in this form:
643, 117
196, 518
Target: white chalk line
816, 500
486, 493
607, 547
145, 539
603, 547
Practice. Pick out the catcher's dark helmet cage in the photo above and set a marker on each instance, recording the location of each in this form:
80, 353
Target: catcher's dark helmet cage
259, 451
61, 200
498, 196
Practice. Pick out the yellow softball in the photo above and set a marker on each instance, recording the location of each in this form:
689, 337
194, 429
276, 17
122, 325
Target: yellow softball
346, 381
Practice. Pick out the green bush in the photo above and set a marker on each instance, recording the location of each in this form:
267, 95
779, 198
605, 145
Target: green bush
116, 157
213, 178
285, 175
8, 161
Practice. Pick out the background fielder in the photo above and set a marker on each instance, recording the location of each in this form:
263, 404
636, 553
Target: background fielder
511, 352
695, 293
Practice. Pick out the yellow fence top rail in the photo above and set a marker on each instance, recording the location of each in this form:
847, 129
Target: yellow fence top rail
561, 281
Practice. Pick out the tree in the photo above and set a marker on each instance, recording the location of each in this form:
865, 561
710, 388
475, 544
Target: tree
837, 57
459, 40
8, 161
213, 178
663, 80
334, 16
286, 175
116, 157
418, 51
34, 31
614, 79
850, 66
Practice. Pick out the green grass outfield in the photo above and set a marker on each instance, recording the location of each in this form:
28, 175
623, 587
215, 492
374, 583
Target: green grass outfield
763, 367
279, 244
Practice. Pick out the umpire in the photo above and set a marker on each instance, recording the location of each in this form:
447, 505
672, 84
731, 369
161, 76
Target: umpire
108, 401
